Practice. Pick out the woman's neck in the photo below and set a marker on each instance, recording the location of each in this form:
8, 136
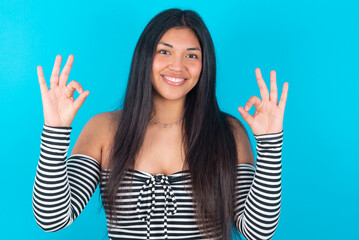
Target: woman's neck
167, 112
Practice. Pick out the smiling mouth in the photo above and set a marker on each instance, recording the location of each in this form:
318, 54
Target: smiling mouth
174, 81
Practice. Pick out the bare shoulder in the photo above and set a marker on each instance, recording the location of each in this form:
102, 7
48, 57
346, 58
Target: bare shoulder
96, 135
244, 149
238, 128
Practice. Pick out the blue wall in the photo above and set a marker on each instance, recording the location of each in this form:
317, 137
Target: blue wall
313, 46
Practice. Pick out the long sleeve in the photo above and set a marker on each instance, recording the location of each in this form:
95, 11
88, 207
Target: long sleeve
62, 188
258, 191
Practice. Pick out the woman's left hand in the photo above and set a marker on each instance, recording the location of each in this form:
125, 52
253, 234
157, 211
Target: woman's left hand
268, 117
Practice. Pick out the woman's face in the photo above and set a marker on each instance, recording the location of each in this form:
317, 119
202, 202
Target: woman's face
177, 64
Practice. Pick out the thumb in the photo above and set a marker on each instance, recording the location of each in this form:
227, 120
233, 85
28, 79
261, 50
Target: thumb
245, 115
81, 99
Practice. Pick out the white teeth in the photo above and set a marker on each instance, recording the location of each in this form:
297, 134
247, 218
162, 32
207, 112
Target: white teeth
174, 79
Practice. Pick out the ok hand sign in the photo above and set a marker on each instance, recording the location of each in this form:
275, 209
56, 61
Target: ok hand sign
268, 117
58, 102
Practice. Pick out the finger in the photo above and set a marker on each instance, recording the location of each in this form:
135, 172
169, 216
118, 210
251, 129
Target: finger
254, 100
73, 85
245, 115
42, 82
80, 100
262, 85
54, 80
273, 87
66, 70
283, 98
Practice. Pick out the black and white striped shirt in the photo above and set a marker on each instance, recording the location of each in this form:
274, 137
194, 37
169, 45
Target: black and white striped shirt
155, 207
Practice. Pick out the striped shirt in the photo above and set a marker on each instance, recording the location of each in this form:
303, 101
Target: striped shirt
155, 206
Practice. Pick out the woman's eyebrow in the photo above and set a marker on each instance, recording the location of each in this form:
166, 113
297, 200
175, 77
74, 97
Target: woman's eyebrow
166, 44
194, 48
188, 49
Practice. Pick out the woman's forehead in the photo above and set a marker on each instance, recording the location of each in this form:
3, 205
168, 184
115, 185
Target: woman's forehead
180, 38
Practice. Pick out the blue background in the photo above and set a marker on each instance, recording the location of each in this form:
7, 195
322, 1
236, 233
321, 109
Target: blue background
311, 44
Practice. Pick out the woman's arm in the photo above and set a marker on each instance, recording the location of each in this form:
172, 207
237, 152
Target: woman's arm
258, 191
260, 216
63, 188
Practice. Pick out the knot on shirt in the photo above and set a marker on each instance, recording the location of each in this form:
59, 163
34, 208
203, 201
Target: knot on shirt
150, 185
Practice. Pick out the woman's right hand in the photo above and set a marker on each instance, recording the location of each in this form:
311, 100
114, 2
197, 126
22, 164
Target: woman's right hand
58, 102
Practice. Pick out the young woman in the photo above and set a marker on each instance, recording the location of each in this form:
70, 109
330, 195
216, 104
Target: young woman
170, 164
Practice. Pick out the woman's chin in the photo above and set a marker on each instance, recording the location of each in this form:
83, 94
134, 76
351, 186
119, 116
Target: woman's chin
169, 97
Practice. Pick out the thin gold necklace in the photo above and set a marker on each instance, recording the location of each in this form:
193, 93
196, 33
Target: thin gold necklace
155, 121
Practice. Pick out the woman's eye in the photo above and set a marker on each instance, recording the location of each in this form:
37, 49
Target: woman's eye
163, 52
192, 56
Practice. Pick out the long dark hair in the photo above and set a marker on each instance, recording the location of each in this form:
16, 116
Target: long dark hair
209, 144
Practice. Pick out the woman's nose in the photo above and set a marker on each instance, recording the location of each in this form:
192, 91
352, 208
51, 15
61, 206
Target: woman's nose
177, 64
